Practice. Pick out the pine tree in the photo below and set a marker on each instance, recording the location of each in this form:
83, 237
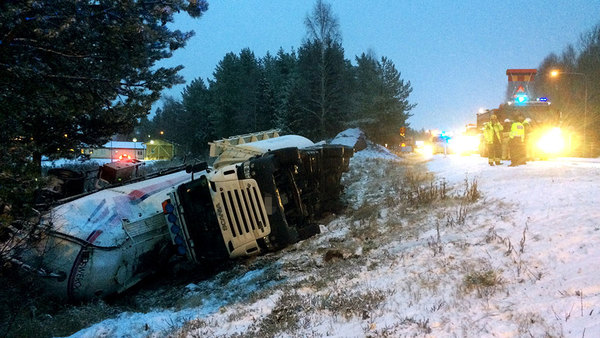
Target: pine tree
323, 88
225, 93
248, 85
382, 99
321, 69
288, 115
366, 89
282, 73
235, 90
77, 72
197, 104
392, 102
265, 106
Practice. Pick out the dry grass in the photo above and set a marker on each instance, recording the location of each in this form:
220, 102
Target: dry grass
285, 317
484, 282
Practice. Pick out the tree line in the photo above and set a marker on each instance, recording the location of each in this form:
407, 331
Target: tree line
574, 89
314, 91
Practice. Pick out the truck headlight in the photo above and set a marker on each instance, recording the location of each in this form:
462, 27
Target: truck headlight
426, 151
464, 144
552, 141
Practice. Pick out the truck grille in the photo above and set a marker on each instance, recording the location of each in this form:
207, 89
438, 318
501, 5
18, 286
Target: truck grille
243, 214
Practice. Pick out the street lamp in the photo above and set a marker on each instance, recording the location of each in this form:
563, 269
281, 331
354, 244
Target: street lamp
555, 73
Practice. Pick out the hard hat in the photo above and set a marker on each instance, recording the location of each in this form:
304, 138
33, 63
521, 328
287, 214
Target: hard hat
527, 120
507, 120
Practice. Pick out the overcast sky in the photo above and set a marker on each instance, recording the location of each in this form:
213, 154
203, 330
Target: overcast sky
454, 53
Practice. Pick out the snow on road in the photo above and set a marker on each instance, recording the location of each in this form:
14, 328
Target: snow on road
525, 262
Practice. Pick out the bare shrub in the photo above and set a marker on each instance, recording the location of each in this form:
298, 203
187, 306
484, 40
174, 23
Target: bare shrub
419, 189
471, 193
458, 217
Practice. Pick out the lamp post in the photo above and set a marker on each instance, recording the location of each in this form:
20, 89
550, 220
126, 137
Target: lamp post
556, 73
135, 151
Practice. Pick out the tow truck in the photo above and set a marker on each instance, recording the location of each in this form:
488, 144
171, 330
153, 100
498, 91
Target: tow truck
547, 137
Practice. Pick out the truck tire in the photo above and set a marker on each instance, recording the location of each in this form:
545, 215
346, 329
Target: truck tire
286, 156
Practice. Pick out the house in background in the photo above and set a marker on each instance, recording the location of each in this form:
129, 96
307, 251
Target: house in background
117, 150
159, 150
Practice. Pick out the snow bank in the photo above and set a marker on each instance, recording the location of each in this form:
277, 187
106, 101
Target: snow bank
353, 137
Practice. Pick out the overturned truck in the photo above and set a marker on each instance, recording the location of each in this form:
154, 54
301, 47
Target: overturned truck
263, 192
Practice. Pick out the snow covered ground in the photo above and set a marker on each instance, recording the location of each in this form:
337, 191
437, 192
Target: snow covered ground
63, 162
414, 255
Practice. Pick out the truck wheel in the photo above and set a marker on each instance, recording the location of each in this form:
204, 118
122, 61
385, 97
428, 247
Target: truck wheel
287, 156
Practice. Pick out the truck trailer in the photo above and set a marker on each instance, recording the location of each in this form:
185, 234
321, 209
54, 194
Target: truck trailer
263, 192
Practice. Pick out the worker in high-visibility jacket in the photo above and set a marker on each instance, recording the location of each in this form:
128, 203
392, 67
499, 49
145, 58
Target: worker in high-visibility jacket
517, 142
492, 132
505, 139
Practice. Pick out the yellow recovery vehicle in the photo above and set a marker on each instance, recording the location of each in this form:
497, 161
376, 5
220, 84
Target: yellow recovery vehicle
546, 136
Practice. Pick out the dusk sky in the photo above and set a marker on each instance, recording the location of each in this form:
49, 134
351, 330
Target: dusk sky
454, 53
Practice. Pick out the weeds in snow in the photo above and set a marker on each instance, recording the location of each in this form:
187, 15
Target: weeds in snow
290, 313
420, 190
517, 255
398, 329
435, 244
437, 306
471, 193
365, 212
349, 303
484, 282
458, 218
524, 237
284, 317
533, 325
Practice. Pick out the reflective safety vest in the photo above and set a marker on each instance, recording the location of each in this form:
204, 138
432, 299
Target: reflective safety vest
489, 129
517, 130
